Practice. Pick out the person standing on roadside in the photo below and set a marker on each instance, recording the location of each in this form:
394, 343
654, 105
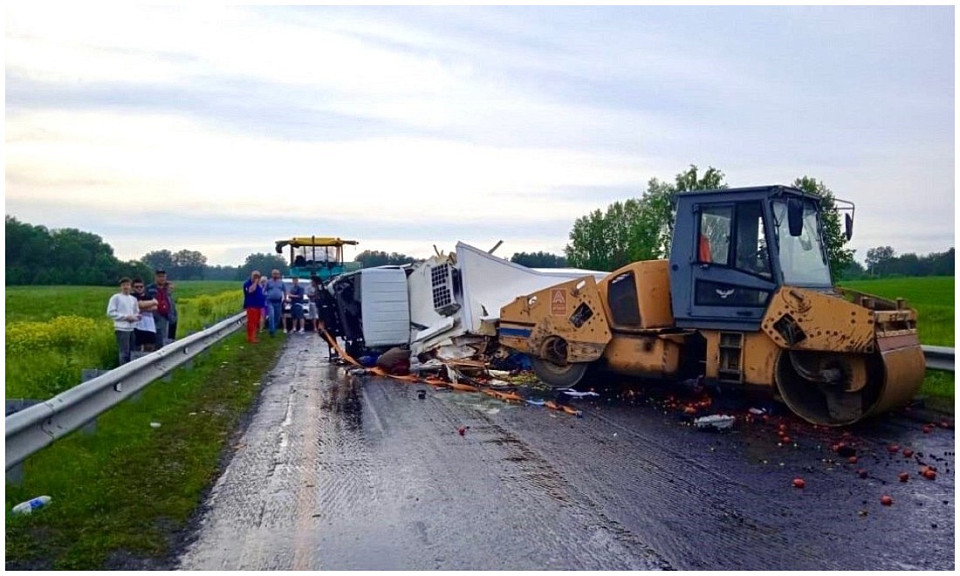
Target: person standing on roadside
313, 306
124, 310
295, 296
264, 313
274, 291
160, 291
145, 332
172, 317
253, 304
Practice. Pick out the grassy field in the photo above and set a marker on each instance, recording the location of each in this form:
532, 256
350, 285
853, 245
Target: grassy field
54, 332
33, 303
932, 296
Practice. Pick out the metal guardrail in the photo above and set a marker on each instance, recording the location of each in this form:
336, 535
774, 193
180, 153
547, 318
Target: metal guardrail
40, 425
938, 358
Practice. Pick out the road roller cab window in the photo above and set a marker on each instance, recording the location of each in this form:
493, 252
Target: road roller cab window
622, 298
715, 224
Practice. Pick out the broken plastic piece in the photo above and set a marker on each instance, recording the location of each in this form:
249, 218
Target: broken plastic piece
577, 393
715, 421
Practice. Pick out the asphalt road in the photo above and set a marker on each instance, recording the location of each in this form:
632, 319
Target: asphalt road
341, 472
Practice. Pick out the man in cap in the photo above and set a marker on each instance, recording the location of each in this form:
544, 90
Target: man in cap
160, 291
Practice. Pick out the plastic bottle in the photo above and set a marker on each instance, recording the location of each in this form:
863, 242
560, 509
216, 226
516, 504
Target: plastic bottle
31, 505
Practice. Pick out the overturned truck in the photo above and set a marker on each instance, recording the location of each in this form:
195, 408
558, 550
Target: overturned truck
448, 300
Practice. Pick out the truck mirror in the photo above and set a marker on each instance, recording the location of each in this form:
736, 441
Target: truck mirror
848, 225
795, 216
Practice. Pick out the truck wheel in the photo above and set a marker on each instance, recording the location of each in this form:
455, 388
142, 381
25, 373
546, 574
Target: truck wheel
566, 376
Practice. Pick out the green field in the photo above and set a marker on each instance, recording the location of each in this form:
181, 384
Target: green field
54, 332
45, 302
932, 296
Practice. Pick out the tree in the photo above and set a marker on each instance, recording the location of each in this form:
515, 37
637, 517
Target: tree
636, 229
36, 255
372, 258
834, 236
264, 263
188, 265
879, 259
539, 260
158, 260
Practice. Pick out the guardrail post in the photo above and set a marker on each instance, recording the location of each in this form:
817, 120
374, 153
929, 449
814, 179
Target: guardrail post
90, 428
15, 475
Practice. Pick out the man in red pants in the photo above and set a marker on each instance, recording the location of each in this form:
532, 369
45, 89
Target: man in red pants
253, 303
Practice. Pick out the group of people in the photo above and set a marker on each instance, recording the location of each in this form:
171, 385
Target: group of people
264, 298
144, 317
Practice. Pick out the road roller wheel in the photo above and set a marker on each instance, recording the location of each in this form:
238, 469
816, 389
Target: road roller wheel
828, 388
557, 376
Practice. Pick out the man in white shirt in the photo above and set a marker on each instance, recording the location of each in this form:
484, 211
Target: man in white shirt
124, 310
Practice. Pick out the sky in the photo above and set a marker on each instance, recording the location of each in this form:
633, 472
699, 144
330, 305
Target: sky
223, 129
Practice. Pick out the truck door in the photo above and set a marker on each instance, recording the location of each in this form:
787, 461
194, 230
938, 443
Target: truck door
731, 275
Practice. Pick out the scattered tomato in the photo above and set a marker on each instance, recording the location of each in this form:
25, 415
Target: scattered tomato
886, 500
907, 453
904, 476
852, 459
461, 430
798, 483
929, 474
786, 439
862, 473
893, 448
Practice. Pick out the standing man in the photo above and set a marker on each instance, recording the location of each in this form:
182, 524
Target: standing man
125, 313
253, 303
145, 332
295, 296
274, 291
313, 306
172, 317
160, 291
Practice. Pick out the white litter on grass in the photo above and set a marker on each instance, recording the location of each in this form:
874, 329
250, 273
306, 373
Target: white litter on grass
716, 421
154, 424
256, 383
757, 411
493, 411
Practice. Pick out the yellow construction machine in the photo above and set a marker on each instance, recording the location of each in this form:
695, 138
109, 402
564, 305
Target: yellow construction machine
745, 300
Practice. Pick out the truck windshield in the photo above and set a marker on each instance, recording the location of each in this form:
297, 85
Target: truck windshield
802, 258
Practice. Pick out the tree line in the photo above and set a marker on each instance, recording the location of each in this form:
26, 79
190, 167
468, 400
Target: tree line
635, 229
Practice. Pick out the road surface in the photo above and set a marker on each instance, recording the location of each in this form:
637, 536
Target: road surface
342, 472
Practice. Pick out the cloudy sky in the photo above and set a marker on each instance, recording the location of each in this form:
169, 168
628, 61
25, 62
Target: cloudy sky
222, 130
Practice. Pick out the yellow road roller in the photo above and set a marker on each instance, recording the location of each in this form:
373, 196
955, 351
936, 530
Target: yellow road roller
745, 300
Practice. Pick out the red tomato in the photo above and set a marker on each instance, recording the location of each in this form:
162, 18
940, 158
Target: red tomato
886, 500
798, 483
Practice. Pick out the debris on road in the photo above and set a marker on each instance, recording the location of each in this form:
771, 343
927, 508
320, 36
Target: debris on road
715, 422
798, 483
886, 500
